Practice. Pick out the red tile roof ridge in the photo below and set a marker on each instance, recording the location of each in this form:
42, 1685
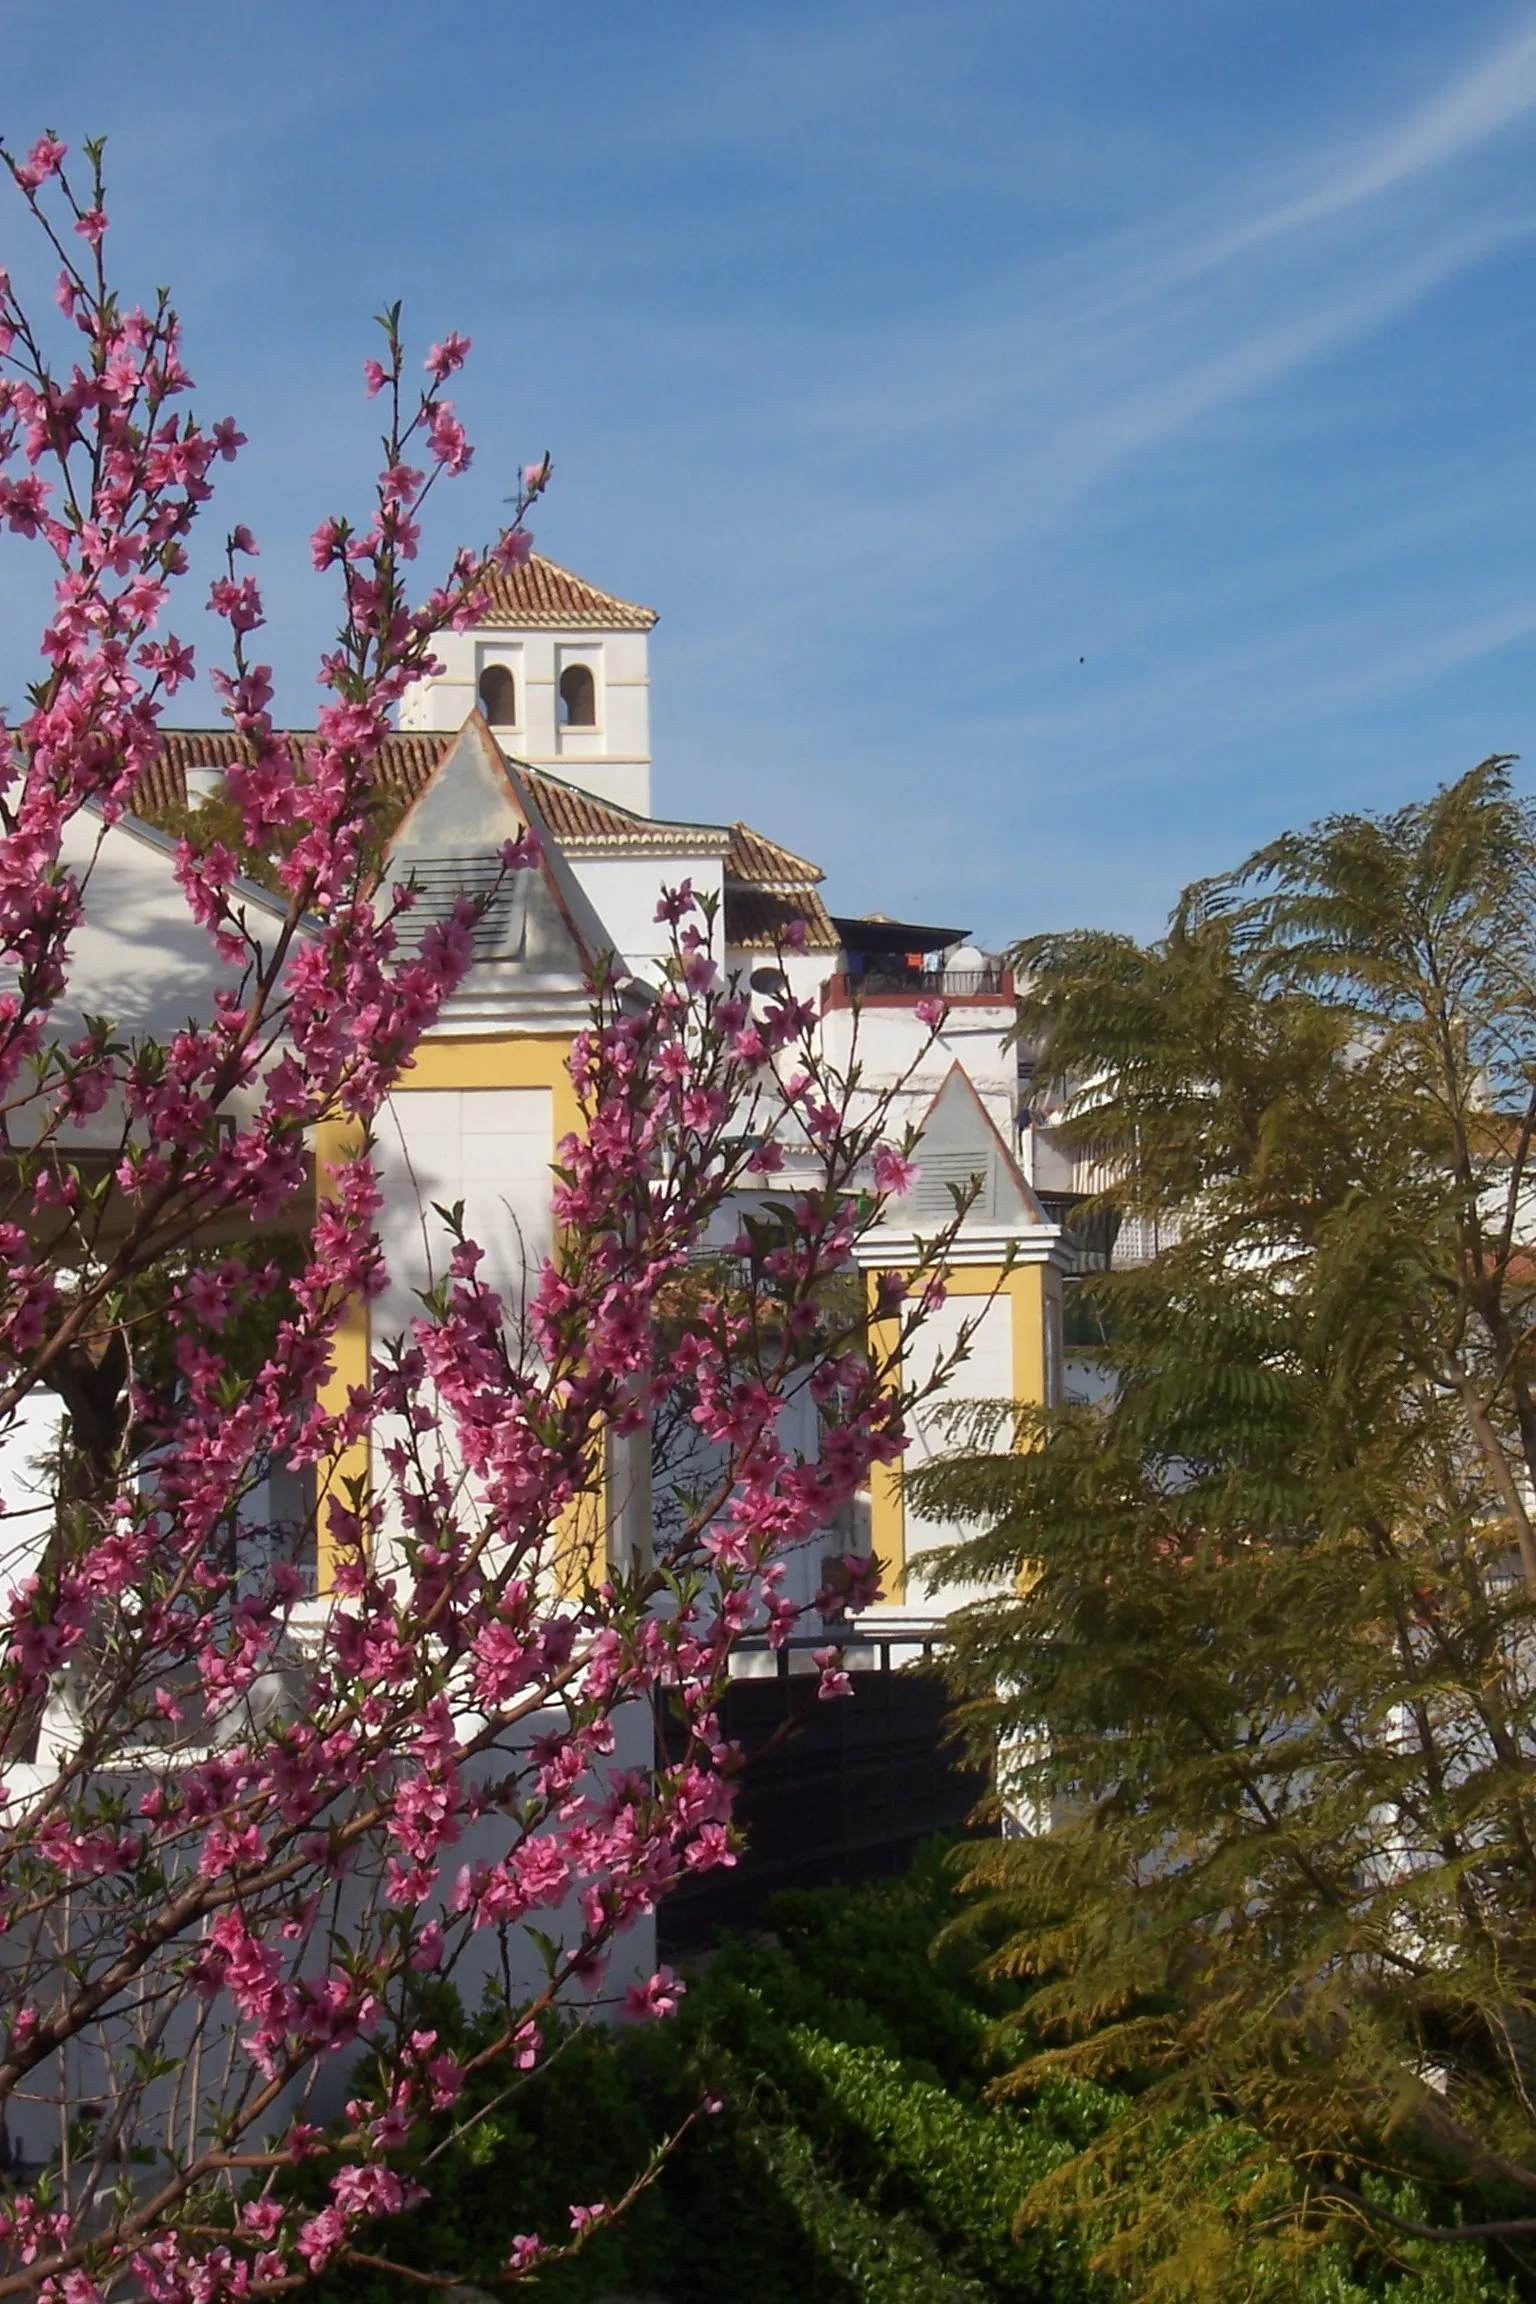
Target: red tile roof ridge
760, 919
543, 595
411, 756
766, 863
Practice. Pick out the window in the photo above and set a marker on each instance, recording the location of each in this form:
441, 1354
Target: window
578, 697
498, 696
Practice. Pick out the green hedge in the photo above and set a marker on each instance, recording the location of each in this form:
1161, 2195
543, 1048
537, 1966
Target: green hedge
856, 2161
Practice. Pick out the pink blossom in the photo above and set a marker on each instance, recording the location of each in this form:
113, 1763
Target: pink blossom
330, 1801
444, 358
446, 438
368, 2191
23, 503
326, 543
658, 1996
890, 1293
852, 1585
833, 1682
930, 1013
676, 903
446, 2082
319, 2239
893, 1172
513, 549
41, 162
239, 601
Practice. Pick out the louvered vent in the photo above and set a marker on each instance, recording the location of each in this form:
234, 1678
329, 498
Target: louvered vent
931, 1200
440, 880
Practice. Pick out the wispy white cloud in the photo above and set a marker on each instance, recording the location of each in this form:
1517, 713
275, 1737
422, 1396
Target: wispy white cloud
878, 333
980, 439
1492, 94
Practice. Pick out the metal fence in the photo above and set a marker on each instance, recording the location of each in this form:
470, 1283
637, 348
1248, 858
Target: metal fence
844, 1790
949, 983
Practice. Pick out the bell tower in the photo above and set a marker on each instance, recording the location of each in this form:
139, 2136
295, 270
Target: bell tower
561, 672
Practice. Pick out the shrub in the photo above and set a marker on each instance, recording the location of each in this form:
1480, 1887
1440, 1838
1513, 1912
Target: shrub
858, 2158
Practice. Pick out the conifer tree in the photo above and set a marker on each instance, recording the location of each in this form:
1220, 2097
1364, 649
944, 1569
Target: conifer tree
1263, 1680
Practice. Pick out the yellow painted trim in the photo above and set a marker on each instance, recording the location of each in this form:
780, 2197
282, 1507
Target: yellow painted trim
535, 1061
1025, 1288
580, 1551
336, 1141
531, 1061
973, 1279
887, 1514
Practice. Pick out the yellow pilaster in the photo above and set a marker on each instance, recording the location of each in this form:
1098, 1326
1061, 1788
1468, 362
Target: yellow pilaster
336, 1142
1026, 1290
887, 1520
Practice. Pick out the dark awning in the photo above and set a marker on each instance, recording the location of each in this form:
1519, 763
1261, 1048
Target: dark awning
894, 935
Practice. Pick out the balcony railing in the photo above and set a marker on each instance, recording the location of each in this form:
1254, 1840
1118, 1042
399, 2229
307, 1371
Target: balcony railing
924, 983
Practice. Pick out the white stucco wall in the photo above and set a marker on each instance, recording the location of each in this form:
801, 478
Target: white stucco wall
612, 759
137, 958
988, 1374
490, 1148
27, 1445
625, 891
890, 1040
806, 973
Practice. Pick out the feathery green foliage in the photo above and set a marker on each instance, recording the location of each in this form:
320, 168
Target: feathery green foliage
1268, 1662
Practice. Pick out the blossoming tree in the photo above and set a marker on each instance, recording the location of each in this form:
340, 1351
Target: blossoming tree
241, 1826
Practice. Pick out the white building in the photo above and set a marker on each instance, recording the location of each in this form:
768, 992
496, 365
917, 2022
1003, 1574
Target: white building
488, 1097
540, 718
541, 715
560, 671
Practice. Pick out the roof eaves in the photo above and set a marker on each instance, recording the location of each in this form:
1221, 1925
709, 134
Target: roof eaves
541, 595
245, 891
684, 840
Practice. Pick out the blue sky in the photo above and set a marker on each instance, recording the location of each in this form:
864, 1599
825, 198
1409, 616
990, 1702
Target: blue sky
1067, 443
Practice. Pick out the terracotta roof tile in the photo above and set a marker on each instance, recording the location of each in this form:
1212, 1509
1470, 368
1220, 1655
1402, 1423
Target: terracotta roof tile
756, 919
763, 863
573, 814
541, 595
755, 866
405, 767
